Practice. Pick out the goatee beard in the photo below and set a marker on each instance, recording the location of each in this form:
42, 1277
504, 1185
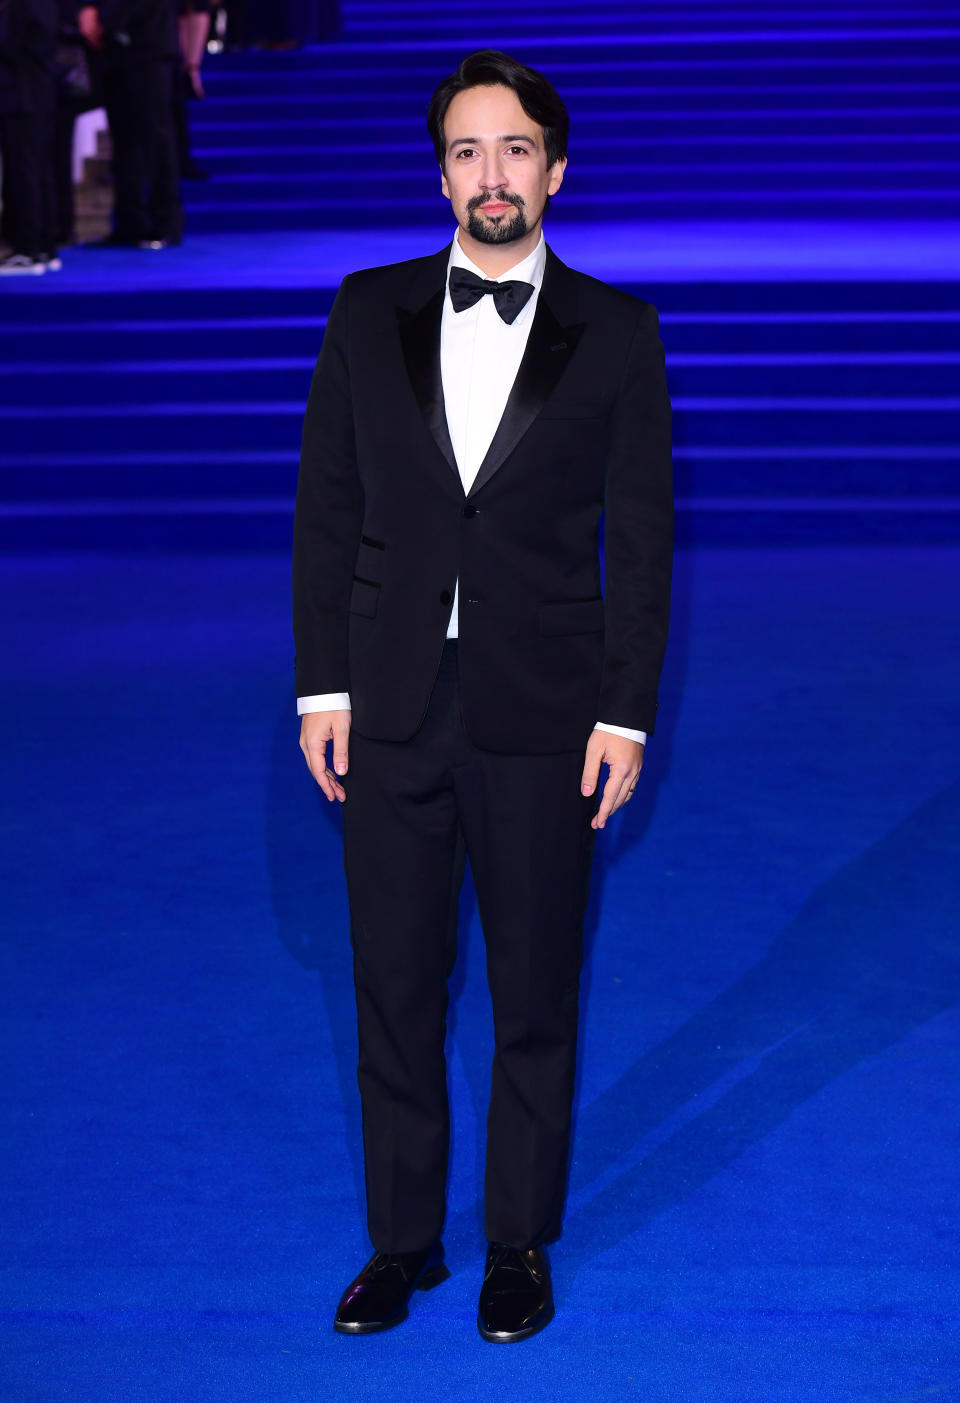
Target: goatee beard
497, 229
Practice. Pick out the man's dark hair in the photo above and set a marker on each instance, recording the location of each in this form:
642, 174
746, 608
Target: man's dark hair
536, 94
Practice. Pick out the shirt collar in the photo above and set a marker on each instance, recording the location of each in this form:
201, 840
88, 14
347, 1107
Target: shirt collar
529, 271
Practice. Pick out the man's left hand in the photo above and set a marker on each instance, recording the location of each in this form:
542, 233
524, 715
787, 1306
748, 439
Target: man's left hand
625, 759
88, 23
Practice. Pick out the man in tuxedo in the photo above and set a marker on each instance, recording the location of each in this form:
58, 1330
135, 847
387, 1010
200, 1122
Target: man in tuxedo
472, 416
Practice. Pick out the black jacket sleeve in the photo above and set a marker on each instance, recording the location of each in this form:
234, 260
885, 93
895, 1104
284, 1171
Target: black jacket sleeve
329, 516
638, 535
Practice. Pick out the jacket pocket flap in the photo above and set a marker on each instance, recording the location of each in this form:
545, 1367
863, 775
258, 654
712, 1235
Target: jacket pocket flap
364, 597
575, 616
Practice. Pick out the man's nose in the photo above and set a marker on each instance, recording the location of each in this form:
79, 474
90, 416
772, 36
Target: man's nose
492, 174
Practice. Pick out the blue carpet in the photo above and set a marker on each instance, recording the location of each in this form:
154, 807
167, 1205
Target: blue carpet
763, 1193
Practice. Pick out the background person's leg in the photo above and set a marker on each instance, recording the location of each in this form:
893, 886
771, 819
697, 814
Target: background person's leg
124, 116
159, 142
21, 144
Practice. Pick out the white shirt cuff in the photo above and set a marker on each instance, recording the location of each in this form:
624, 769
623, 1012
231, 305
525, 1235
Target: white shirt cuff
324, 701
624, 731
340, 701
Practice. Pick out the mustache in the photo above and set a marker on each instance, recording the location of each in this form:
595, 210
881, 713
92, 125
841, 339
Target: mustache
500, 197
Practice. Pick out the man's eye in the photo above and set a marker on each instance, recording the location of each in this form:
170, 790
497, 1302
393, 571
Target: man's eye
465, 151
517, 150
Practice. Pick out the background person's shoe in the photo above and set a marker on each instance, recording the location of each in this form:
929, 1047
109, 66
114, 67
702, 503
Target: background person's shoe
516, 1298
379, 1297
110, 241
21, 264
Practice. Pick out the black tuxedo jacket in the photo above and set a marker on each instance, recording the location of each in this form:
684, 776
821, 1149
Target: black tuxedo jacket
383, 529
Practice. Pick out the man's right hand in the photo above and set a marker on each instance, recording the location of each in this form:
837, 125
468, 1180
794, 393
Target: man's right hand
317, 728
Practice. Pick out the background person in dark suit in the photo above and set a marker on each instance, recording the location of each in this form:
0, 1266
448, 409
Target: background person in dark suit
28, 112
471, 417
138, 47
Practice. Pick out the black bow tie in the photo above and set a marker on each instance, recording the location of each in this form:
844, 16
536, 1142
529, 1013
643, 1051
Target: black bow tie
466, 289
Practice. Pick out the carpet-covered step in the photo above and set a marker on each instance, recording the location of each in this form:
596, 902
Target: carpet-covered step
173, 525
177, 424
909, 472
826, 334
898, 334
679, 101
597, 53
782, 375
676, 10
573, 42
56, 310
681, 12
473, 24
505, 32
253, 215
912, 315
278, 179
703, 521
605, 53
914, 127
728, 420
113, 384
148, 475
155, 340
266, 523
872, 158
811, 420
620, 69
730, 302
796, 301
681, 16
880, 375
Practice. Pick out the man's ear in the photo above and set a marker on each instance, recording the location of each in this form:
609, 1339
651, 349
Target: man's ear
443, 183
556, 175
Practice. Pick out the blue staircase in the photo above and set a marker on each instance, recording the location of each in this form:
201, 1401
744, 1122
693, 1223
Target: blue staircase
679, 111
805, 410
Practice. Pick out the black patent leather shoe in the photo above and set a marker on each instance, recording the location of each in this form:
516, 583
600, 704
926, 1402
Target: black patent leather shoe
379, 1297
516, 1298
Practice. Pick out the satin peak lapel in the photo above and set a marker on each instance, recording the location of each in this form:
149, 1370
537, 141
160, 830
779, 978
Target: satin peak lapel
545, 358
420, 339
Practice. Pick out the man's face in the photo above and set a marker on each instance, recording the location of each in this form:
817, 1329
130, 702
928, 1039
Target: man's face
495, 172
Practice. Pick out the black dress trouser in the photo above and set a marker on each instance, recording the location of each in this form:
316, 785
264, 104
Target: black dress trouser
29, 184
411, 810
138, 96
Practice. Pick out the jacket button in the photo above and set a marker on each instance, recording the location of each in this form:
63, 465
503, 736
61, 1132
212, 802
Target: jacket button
446, 597
471, 512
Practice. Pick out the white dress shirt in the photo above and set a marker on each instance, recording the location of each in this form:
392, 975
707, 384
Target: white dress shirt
480, 355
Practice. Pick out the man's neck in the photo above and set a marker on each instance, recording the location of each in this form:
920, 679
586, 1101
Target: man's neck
497, 259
